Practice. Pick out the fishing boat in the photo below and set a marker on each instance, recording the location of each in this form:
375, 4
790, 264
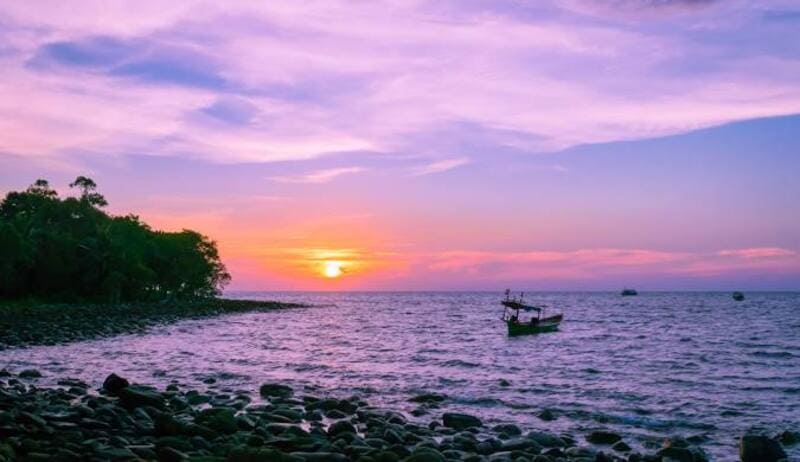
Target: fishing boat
738, 296
629, 292
537, 324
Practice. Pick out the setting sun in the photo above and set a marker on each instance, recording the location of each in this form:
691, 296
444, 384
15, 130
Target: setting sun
333, 269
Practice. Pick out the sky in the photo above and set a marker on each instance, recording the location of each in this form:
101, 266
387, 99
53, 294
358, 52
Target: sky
427, 145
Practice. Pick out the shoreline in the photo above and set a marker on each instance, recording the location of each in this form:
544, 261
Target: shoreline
123, 421
24, 324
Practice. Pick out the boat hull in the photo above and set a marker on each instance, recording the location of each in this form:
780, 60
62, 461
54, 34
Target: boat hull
515, 328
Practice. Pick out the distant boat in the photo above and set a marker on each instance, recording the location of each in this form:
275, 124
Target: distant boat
535, 325
629, 292
738, 296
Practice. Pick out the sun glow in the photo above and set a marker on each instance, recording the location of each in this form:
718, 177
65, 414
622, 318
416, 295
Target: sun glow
333, 269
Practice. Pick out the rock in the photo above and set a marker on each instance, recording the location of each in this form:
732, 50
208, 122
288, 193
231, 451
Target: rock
424, 454
114, 383
504, 383
428, 398
269, 390
460, 421
508, 429
580, 452
547, 415
134, 396
335, 414
788, 438
169, 454
602, 457
603, 437
341, 427
321, 456
174, 442
220, 419
521, 444
30, 374
115, 454
166, 425
621, 446
66, 455
245, 454
547, 440
759, 448
31, 419
676, 454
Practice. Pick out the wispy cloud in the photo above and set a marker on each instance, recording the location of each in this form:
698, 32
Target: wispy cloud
602, 263
303, 80
440, 166
758, 252
320, 176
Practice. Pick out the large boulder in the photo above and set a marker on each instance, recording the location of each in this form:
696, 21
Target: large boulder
759, 448
114, 383
30, 374
460, 421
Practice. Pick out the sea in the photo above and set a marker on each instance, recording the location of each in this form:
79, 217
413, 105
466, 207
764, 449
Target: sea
663, 364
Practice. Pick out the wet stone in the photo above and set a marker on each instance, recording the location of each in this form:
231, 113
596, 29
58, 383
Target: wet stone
278, 390
30, 374
620, 446
759, 448
460, 421
603, 437
114, 383
508, 429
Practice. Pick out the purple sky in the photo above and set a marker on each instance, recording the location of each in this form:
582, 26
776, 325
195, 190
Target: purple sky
468, 144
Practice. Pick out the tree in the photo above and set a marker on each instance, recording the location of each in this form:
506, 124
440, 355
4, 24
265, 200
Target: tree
70, 249
88, 193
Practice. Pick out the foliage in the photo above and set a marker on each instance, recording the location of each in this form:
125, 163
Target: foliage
69, 249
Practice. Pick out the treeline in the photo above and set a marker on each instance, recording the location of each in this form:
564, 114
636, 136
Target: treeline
71, 250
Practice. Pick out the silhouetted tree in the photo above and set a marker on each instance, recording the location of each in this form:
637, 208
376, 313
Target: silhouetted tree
69, 249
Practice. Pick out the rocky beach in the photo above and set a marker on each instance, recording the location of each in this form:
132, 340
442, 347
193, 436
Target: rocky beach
25, 323
124, 421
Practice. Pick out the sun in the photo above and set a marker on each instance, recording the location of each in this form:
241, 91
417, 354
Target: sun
333, 269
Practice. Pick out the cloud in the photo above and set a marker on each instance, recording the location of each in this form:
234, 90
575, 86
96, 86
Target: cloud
758, 252
604, 263
440, 166
650, 8
320, 176
232, 110
149, 60
91, 52
477, 78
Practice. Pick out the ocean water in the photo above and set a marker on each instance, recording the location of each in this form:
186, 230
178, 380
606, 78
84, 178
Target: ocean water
658, 364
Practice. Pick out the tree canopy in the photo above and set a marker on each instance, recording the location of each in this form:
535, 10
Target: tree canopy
70, 249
